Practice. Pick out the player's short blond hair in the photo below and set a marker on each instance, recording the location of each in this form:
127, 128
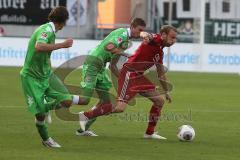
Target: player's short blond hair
167, 28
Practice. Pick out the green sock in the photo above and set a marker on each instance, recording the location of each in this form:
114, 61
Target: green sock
42, 130
88, 125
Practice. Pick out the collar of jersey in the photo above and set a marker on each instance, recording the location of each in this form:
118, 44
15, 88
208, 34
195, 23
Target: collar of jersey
129, 32
53, 26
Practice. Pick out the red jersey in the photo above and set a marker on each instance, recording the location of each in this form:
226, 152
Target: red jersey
146, 55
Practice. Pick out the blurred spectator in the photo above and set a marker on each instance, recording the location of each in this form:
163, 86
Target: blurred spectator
186, 28
1, 31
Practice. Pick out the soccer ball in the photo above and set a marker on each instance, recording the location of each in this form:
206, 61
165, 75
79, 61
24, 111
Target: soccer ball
186, 133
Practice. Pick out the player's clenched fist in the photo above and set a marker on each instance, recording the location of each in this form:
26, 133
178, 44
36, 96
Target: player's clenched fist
147, 37
67, 43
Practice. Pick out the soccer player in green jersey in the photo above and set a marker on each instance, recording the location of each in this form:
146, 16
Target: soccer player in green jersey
37, 71
94, 74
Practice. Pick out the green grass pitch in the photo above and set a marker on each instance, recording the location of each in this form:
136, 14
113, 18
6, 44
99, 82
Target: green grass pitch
209, 102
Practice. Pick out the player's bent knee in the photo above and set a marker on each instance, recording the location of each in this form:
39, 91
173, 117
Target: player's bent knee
66, 103
84, 101
121, 106
159, 101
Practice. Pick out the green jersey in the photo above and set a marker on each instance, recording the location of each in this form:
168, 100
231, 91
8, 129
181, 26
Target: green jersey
117, 37
37, 64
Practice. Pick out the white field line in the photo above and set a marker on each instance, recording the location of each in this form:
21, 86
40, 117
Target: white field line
172, 110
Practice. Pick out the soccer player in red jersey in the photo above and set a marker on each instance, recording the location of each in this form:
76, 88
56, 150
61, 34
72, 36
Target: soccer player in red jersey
132, 81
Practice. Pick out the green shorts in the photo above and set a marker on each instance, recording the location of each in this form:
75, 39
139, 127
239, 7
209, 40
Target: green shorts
37, 91
92, 78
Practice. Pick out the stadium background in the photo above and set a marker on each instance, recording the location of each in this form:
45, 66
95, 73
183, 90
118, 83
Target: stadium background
209, 30
206, 96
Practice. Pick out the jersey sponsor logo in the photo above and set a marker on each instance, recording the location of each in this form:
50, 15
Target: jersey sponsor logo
44, 35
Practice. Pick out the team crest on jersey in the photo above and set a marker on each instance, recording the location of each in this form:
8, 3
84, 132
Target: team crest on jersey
119, 40
44, 35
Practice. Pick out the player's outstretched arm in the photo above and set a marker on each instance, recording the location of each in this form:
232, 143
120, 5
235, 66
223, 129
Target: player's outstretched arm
44, 47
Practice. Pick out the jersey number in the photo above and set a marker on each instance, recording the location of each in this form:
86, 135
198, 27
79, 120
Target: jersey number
156, 58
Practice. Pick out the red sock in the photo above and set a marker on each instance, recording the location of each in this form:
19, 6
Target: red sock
100, 110
153, 118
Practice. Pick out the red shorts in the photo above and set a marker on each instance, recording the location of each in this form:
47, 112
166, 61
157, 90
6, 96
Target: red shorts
130, 83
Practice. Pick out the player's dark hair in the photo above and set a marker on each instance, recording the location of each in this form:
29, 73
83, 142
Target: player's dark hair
167, 28
58, 14
138, 22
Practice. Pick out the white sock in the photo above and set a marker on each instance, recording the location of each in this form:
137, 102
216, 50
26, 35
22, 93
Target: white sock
48, 117
39, 122
75, 99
